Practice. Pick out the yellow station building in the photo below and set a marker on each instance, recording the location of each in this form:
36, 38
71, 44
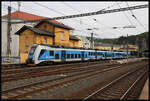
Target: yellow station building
45, 32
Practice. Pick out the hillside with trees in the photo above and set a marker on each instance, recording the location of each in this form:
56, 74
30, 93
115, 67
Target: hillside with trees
132, 39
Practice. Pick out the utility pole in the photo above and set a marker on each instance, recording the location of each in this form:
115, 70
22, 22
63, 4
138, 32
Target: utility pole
8, 34
92, 40
19, 4
127, 47
112, 46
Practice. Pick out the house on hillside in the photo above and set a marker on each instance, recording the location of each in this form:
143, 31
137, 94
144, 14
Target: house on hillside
23, 36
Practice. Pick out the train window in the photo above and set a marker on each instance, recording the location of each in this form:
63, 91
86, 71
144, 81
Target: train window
63, 54
42, 51
79, 56
89, 53
76, 56
51, 53
56, 56
82, 55
68, 56
72, 55
32, 49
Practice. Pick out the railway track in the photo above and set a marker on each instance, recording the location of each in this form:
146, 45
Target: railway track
30, 73
26, 90
7, 67
25, 68
124, 87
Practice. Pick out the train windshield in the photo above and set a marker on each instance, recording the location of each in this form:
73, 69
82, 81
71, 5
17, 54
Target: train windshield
32, 49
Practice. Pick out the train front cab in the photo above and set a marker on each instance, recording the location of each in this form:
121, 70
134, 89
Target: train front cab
30, 59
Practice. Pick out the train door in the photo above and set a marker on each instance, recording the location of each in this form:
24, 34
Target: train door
63, 55
95, 54
82, 55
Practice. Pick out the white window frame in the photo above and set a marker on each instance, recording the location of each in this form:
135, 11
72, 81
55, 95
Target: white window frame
62, 35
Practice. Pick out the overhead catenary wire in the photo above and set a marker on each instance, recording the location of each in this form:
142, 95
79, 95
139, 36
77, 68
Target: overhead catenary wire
108, 11
128, 19
89, 16
133, 15
58, 12
90, 13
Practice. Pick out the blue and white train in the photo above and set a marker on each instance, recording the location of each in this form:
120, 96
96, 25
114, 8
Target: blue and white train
40, 53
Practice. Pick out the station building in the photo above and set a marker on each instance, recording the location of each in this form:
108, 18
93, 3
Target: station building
24, 36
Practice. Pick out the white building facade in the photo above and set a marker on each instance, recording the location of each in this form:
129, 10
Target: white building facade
84, 42
14, 43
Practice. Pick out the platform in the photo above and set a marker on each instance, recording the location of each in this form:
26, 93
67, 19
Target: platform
145, 92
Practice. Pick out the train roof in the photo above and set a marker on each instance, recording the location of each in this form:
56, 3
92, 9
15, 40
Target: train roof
53, 46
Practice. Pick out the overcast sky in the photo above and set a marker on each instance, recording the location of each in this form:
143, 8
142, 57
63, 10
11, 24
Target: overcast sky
103, 23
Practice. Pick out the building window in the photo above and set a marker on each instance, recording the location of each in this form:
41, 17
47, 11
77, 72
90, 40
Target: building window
45, 40
62, 35
45, 27
41, 41
73, 44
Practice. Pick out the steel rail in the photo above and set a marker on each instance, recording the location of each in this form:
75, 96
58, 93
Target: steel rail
114, 81
84, 75
124, 96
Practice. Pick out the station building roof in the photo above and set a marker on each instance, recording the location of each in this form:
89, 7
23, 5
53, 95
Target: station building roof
72, 37
42, 32
54, 24
27, 16
36, 30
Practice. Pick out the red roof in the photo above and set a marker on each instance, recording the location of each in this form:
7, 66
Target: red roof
27, 16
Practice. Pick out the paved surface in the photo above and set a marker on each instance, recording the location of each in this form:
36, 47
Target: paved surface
10, 63
145, 92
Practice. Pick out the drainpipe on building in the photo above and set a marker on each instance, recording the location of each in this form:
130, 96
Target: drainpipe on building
54, 36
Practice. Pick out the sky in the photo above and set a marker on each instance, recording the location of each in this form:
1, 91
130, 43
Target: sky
102, 26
